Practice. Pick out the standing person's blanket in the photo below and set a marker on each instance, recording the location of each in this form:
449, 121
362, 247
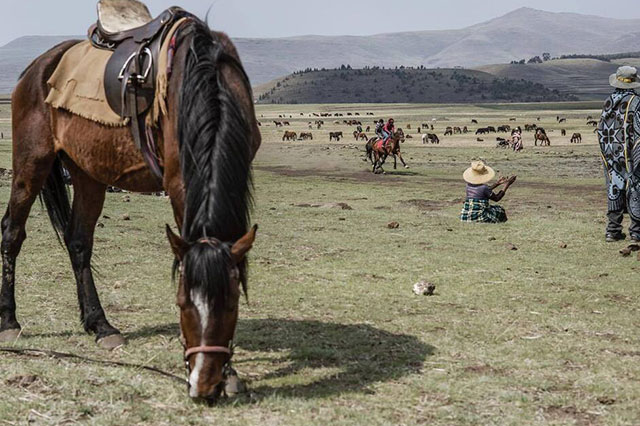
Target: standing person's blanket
618, 134
475, 210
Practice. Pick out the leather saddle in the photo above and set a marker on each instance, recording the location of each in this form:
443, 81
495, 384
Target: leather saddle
127, 28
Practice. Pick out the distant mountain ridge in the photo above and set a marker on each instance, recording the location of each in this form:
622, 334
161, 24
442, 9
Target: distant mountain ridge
18, 54
522, 33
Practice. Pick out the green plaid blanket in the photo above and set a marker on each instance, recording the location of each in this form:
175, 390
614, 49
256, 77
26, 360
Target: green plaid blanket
481, 211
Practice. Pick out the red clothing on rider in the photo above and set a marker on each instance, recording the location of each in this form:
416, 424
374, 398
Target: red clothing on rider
389, 127
387, 131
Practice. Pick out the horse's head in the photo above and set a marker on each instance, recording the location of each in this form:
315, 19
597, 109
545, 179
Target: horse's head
399, 136
210, 275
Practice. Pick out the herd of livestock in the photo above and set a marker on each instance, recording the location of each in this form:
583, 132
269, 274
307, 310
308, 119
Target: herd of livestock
424, 130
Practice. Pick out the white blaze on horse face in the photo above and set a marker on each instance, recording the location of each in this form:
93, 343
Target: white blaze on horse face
200, 302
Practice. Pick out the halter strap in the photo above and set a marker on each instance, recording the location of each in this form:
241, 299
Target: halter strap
206, 350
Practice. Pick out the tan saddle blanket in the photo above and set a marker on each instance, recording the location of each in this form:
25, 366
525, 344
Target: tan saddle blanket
77, 84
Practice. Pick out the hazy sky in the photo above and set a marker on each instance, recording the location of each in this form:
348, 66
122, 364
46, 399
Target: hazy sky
281, 18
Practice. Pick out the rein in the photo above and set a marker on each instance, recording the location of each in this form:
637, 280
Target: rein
64, 355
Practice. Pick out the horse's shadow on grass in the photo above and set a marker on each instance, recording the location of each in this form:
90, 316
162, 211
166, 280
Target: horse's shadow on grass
357, 355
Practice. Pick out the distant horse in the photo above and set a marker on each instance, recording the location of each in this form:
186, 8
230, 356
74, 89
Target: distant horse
430, 137
289, 136
207, 139
541, 136
563, 132
502, 143
377, 153
576, 138
448, 131
335, 135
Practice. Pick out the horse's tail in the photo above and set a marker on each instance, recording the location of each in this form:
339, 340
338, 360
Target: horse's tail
55, 197
369, 148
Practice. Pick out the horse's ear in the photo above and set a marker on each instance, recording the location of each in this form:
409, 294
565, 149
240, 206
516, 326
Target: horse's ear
243, 245
179, 246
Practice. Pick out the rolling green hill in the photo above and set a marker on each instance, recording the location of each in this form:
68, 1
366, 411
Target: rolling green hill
404, 85
583, 77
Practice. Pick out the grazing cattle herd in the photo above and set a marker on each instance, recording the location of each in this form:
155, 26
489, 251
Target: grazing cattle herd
425, 131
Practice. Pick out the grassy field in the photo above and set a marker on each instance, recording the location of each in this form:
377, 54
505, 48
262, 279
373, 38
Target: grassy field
332, 334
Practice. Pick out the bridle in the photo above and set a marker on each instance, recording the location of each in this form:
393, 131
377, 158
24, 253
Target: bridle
205, 349
209, 350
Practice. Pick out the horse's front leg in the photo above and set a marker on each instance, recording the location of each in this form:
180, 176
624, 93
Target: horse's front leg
88, 201
402, 159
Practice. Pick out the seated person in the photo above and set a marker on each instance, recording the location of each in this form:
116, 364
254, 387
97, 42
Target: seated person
477, 207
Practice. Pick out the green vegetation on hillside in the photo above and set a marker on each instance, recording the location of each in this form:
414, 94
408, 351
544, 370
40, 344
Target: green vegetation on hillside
408, 85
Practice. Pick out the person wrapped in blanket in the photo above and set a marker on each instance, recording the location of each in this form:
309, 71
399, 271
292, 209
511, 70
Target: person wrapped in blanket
618, 134
516, 140
477, 207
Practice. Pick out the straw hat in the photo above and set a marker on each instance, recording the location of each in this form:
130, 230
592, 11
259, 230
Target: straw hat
625, 78
478, 173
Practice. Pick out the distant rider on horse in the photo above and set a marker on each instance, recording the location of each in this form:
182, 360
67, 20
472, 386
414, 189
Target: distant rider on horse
388, 131
379, 127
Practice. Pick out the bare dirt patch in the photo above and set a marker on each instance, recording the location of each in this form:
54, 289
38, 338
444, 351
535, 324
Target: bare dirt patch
570, 413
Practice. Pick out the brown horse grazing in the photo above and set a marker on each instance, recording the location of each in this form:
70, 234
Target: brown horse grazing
206, 142
289, 136
576, 138
541, 136
377, 153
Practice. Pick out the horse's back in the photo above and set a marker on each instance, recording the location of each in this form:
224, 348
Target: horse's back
32, 86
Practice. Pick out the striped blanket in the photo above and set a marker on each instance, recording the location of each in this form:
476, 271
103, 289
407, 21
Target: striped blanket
475, 210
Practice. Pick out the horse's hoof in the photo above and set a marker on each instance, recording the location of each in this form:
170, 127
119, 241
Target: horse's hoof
9, 336
112, 342
406, 167
234, 385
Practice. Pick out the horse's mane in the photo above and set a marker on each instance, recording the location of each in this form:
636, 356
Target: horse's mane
215, 157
